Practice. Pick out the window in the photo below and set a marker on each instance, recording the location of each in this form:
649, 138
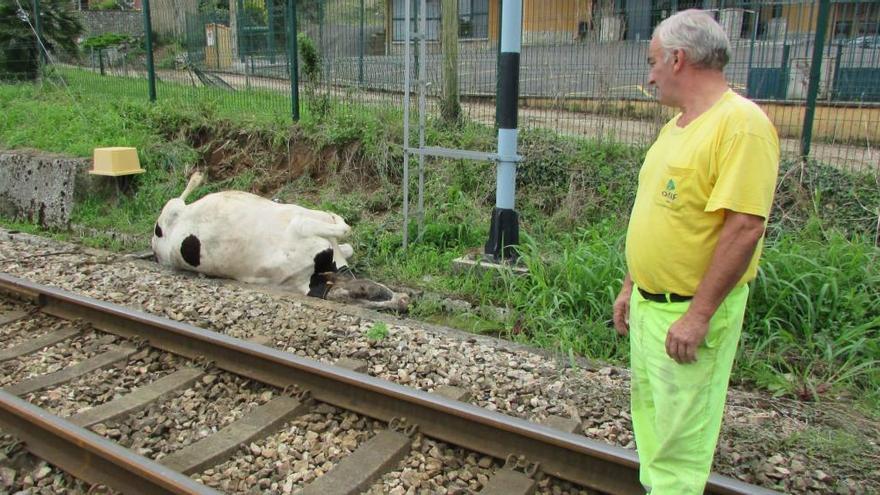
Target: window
473, 19
398, 18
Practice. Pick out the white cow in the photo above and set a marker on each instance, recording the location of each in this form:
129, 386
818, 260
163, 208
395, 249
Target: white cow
238, 235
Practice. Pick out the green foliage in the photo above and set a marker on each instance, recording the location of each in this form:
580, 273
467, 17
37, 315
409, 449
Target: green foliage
311, 68
377, 331
106, 5
105, 40
19, 58
825, 198
310, 57
813, 320
255, 12
812, 327
565, 300
208, 6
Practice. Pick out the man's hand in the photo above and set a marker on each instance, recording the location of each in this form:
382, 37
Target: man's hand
685, 336
621, 307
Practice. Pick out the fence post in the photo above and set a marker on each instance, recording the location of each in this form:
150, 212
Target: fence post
498, 63
239, 31
361, 49
148, 33
815, 76
450, 108
38, 26
293, 59
270, 42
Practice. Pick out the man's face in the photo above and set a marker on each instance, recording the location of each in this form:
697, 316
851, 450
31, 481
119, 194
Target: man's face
661, 75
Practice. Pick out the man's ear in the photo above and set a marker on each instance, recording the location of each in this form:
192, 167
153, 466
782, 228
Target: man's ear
678, 57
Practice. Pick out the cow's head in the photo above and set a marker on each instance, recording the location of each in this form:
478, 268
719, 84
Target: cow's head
343, 287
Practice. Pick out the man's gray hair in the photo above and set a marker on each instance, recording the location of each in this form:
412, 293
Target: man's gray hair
697, 33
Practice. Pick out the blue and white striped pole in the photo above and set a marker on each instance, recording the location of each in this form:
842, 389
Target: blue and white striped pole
504, 231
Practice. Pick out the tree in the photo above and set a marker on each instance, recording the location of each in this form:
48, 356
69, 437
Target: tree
450, 107
19, 57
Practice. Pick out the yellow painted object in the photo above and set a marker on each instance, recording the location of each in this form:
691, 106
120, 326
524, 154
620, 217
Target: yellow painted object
218, 48
116, 161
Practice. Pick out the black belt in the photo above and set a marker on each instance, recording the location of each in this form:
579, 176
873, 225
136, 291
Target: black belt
663, 297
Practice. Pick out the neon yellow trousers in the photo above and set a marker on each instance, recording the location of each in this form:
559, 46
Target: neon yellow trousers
677, 408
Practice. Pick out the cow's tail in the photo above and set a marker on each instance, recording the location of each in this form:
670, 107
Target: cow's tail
194, 181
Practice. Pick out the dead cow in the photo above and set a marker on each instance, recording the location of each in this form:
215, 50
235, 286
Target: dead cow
238, 235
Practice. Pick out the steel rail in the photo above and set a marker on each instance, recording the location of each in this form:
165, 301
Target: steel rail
586, 462
88, 456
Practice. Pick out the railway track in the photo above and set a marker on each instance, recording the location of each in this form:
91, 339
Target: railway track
330, 429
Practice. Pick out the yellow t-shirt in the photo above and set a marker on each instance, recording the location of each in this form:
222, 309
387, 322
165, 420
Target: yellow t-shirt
726, 158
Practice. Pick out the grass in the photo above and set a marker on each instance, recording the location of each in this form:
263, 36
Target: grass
813, 323
377, 331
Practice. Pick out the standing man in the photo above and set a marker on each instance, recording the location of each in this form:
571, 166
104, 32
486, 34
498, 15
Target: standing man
693, 243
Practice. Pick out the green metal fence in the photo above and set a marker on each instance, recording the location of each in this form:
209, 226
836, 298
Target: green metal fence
814, 66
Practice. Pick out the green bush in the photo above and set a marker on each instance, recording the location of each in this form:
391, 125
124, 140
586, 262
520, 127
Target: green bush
106, 5
105, 40
19, 58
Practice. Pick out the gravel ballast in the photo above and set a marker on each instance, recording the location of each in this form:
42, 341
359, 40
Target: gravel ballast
764, 440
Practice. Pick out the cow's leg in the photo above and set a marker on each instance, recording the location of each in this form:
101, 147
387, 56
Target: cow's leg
307, 227
194, 181
346, 250
317, 215
339, 254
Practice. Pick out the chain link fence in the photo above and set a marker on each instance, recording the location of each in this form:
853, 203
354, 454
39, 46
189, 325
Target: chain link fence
813, 66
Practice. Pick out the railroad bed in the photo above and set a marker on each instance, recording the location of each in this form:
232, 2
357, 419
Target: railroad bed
756, 444
151, 405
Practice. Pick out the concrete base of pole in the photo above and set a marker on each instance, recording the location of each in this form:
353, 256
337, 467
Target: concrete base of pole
503, 235
482, 263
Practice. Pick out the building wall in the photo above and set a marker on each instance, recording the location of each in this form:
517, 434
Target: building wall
98, 22
169, 16
800, 18
555, 15
556, 19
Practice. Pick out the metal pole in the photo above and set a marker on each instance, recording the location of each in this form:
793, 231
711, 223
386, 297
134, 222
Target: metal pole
361, 50
498, 61
148, 33
416, 59
216, 46
752, 48
239, 17
815, 73
406, 103
836, 74
504, 230
270, 6
293, 60
38, 26
423, 88
321, 28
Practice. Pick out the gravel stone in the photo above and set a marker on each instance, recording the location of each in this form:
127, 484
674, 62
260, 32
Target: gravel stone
304, 449
500, 376
107, 384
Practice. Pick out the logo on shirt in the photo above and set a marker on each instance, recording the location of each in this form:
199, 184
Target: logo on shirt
670, 193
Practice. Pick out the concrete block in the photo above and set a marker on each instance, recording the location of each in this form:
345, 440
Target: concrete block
37, 187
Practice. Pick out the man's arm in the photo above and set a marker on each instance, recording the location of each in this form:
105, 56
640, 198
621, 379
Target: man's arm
736, 244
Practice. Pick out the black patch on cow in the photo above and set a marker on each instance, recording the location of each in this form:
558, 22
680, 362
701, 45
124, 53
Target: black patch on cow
158, 231
190, 250
317, 282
